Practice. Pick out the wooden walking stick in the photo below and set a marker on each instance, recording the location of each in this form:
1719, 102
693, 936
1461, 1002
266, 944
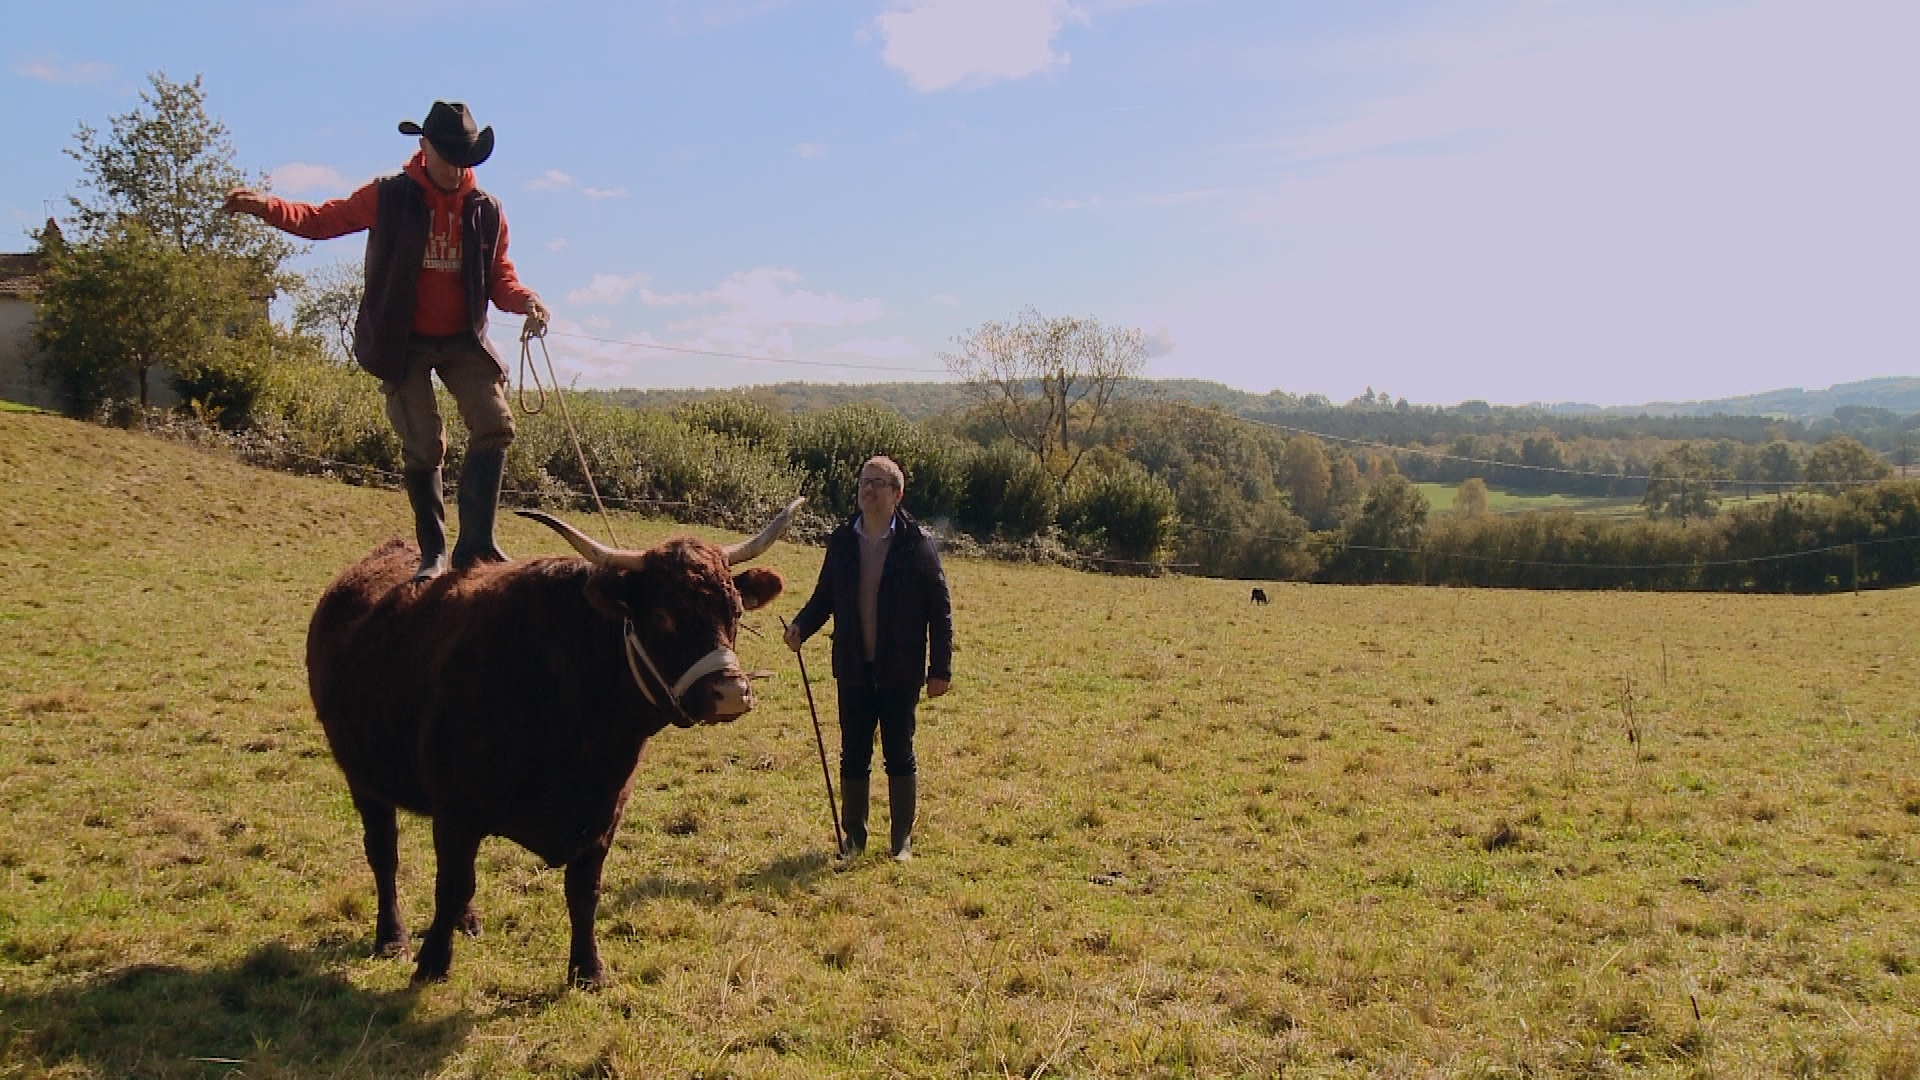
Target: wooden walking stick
819, 740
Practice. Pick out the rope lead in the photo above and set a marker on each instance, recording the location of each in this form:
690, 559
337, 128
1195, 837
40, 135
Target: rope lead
527, 338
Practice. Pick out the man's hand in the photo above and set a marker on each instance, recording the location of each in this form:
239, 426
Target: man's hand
792, 638
936, 687
537, 319
245, 201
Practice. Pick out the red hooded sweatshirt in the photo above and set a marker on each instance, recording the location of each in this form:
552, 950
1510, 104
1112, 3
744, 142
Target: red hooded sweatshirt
440, 301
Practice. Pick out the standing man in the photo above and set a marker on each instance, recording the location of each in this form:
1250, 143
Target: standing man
436, 256
882, 583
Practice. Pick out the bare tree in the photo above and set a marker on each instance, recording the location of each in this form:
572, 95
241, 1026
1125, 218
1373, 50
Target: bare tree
1049, 383
327, 305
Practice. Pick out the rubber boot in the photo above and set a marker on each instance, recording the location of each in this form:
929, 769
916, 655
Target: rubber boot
429, 521
479, 501
902, 793
853, 814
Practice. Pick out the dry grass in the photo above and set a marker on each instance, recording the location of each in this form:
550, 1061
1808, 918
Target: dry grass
1391, 832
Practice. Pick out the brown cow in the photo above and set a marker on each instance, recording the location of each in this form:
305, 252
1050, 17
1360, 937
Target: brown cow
512, 700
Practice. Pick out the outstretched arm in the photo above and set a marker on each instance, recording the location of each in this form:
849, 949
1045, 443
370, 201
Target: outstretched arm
335, 217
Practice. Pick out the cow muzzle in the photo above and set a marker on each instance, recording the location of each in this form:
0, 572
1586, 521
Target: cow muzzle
733, 697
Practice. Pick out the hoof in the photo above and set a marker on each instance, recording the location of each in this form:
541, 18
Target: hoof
469, 923
590, 981
387, 950
432, 968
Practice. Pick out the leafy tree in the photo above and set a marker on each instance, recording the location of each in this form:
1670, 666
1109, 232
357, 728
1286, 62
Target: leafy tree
327, 305
157, 274
1383, 538
1776, 463
1344, 488
1470, 498
113, 308
170, 165
1843, 460
1305, 474
1048, 383
1680, 485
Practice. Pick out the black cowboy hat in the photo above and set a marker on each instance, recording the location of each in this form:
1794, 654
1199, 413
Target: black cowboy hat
450, 128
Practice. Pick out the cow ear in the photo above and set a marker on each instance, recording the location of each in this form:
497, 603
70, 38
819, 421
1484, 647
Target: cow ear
758, 587
603, 593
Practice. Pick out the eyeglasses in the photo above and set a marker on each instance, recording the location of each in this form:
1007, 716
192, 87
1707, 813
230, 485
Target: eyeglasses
876, 481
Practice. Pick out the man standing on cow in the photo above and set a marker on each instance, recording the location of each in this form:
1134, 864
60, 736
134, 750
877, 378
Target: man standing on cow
882, 583
436, 257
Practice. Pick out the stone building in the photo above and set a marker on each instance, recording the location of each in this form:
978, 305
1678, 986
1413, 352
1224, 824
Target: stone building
20, 380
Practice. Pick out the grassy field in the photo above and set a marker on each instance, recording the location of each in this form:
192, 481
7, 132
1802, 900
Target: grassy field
1357, 832
1500, 501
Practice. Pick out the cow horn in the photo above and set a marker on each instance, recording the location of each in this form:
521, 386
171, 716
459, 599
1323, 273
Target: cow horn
747, 550
593, 551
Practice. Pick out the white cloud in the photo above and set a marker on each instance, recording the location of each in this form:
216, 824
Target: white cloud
555, 180
51, 69
298, 178
890, 348
811, 151
558, 243
945, 299
942, 43
754, 312
608, 288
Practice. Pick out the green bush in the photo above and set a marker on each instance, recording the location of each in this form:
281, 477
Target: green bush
1006, 494
1125, 513
829, 447
739, 418
225, 382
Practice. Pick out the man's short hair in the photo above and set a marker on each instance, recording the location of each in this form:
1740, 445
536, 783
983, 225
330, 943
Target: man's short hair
890, 467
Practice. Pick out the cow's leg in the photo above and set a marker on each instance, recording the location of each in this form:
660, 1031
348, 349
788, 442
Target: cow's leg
381, 834
583, 900
454, 848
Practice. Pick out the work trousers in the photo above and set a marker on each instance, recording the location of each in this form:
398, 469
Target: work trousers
863, 707
479, 390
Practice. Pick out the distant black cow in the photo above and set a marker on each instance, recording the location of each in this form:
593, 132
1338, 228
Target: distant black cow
1259, 596
512, 700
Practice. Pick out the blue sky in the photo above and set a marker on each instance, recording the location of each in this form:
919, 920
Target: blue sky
1515, 200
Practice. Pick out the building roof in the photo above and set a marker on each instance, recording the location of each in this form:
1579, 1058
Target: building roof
20, 274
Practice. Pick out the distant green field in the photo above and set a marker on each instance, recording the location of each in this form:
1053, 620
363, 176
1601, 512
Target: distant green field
1440, 498
1356, 832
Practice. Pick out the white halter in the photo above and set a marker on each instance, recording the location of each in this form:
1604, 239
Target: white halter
720, 659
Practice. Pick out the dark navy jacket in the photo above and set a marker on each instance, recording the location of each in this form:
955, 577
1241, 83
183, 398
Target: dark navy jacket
916, 611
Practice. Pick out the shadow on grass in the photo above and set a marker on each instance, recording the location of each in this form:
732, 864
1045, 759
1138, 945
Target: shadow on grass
277, 1012
781, 877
